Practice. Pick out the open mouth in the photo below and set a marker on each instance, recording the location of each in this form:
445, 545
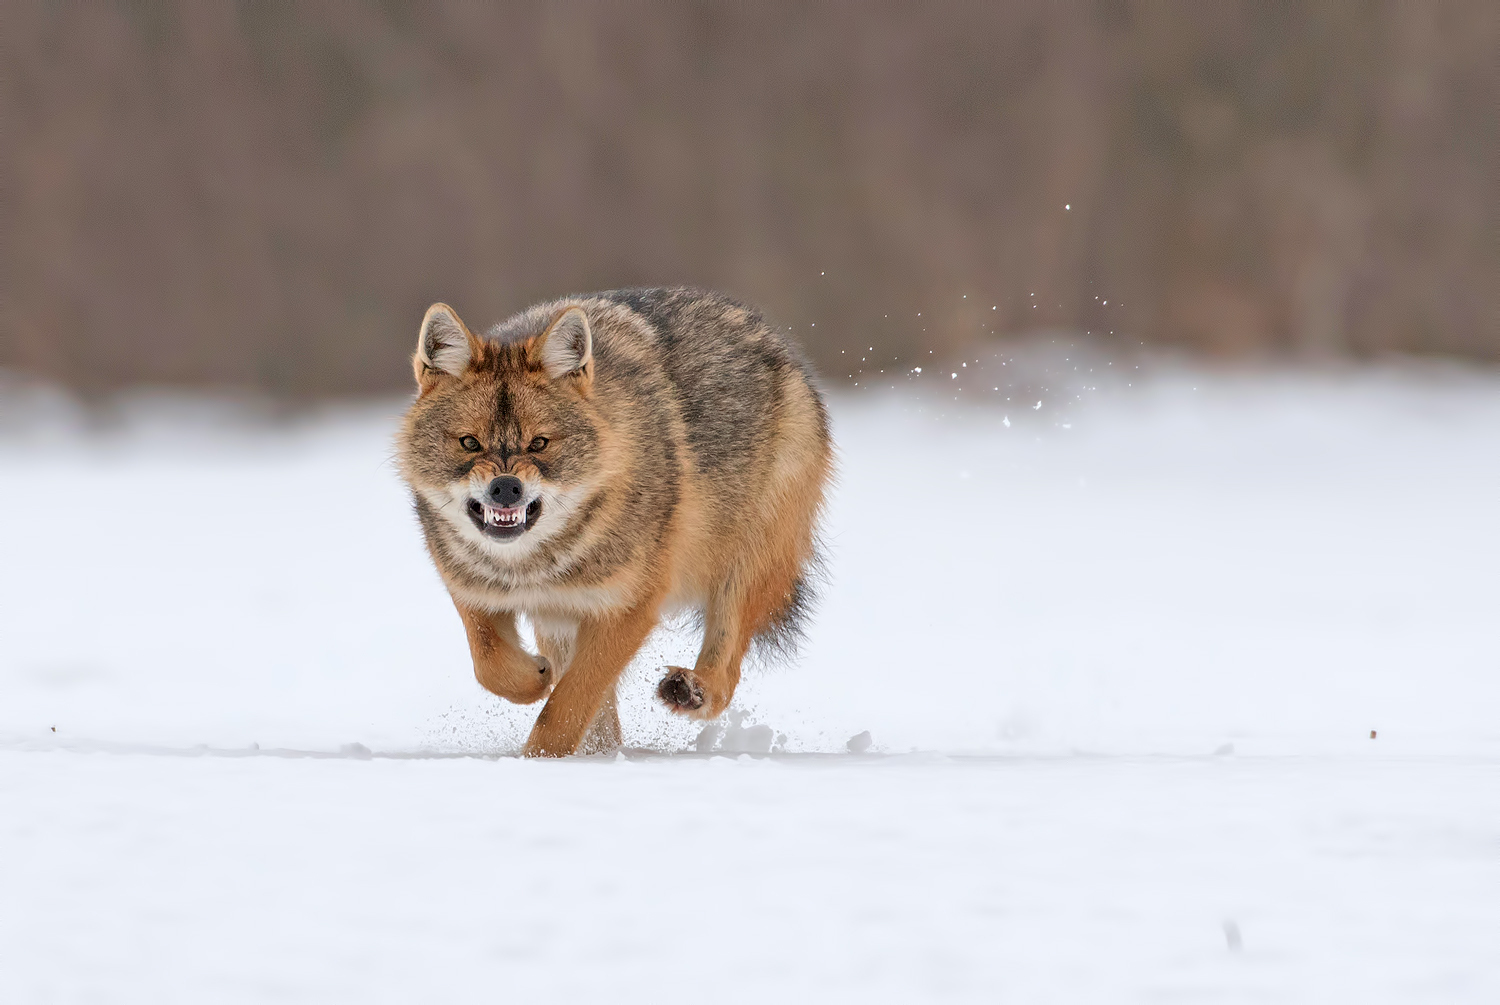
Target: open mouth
504, 523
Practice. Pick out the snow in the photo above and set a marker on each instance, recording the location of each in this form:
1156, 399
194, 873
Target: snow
1086, 715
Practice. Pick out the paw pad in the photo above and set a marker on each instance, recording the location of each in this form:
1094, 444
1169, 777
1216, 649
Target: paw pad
680, 690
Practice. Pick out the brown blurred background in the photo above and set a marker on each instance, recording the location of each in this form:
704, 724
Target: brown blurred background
268, 195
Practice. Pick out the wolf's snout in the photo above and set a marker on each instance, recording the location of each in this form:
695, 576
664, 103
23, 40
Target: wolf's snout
505, 491
502, 512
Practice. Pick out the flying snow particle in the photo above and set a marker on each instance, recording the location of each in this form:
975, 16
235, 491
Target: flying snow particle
1037, 407
1006, 420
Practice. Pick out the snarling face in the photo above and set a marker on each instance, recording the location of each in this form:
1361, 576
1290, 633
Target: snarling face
501, 443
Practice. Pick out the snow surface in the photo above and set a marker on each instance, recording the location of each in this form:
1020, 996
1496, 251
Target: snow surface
1119, 660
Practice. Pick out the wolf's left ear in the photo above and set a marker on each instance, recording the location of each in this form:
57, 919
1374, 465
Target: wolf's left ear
567, 346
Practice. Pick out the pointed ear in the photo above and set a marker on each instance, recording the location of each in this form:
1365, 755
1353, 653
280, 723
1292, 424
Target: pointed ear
567, 346
445, 346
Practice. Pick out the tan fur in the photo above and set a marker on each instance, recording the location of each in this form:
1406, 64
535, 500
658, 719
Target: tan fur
642, 509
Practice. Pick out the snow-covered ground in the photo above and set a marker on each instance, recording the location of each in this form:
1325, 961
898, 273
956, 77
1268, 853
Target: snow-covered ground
1121, 658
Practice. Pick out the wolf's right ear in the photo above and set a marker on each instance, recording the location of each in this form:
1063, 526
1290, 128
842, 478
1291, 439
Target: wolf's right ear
445, 346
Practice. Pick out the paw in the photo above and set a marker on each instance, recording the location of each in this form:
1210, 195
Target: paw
518, 677
681, 691
534, 749
537, 685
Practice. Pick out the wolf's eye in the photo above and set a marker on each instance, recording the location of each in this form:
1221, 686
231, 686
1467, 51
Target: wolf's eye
469, 443
537, 444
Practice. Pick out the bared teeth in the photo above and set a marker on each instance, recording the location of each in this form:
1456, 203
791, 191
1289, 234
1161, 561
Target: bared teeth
496, 516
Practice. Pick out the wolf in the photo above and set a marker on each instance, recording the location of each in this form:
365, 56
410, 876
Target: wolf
600, 462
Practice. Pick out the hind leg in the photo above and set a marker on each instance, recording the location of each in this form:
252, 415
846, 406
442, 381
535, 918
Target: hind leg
604, 735
730, 622
764, 575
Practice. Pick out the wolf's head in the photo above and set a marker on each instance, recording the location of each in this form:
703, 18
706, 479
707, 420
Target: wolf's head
502, 442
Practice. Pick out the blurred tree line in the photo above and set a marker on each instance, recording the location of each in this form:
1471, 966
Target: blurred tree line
268, 194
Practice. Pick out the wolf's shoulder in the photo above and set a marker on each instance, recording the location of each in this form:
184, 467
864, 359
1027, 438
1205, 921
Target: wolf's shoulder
733, 375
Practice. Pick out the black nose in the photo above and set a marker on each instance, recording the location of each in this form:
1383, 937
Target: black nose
506, 491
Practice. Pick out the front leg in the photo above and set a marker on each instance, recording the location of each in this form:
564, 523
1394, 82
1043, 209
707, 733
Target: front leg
500, 664
605, 646
604, 735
